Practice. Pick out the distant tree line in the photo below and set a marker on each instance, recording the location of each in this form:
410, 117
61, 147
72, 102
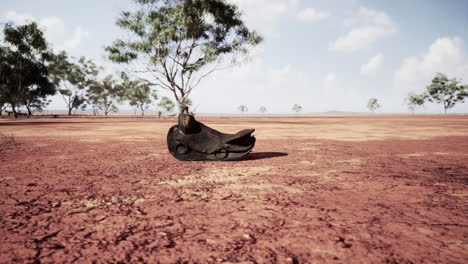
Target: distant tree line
442, 90
30, 72
243, 108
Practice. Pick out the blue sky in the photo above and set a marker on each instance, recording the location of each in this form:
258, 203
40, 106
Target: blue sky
323, 55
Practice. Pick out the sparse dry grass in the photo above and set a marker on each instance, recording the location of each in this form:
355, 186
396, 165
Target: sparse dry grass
6, 141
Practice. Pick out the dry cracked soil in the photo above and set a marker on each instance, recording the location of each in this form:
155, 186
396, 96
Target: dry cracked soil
316, 189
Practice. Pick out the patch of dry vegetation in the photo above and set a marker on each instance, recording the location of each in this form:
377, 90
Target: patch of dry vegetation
7, 141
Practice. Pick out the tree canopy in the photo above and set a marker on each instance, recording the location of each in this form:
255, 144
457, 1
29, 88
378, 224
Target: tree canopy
297, 108
446, 91
413, 100
373, 104
180, 42
166, 104
24, 58
106, 94
243, 108
138, 93
73, 79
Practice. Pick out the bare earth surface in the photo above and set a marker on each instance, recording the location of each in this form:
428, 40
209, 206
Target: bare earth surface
324, 189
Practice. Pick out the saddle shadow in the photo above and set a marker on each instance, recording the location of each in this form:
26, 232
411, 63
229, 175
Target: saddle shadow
263, 155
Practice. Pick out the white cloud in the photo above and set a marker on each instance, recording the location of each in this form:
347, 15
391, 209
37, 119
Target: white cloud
329, 81
75, 40
53, 27
19, 18
311, 15
373, 64
374, 26
445, 55
348, 22
265, 16
378, 17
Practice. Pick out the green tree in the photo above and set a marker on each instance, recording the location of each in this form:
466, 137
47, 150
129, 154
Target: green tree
36, 98
166, 104
73, 79
262, 109
297, 108
24, 71
446, 91
243, 108
182, 41
414, 100
3, 102
188, 102
94, 107
5, 71
373, 104
105, 95
138, 93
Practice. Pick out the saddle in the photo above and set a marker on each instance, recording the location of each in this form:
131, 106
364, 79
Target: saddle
192, 140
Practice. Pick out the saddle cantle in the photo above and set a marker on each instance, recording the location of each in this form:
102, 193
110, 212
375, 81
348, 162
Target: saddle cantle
192, 140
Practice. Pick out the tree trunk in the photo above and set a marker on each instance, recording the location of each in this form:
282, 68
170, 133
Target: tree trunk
70, 111
29, 111
13, 106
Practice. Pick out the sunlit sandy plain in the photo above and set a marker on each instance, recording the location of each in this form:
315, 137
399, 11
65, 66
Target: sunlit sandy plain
316, 189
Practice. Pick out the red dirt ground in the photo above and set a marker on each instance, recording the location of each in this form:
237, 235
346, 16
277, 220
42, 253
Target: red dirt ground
345, 189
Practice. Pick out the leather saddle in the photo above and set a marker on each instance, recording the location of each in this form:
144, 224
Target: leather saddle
192, 140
